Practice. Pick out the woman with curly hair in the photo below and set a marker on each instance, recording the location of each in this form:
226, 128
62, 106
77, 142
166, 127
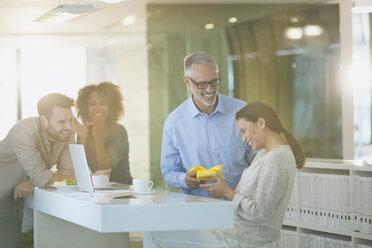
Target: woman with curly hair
105, 141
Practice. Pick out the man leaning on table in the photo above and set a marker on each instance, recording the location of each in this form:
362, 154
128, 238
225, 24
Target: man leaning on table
31, 148
202, 131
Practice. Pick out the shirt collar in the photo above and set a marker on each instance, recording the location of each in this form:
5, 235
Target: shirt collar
194, 111
220, 105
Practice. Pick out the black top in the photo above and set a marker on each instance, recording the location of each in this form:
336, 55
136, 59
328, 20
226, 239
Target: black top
116, 144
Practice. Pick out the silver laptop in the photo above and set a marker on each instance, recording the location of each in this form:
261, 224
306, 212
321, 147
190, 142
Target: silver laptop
82, 171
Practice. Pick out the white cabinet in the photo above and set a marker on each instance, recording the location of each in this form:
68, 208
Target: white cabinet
331, 206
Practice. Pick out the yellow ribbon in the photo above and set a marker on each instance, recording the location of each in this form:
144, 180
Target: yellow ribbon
207, 174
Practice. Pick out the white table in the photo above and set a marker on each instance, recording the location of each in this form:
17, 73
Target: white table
66, 218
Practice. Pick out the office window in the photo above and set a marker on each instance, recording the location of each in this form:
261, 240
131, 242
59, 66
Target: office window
51, 69
361, 83
8, 90
40, 71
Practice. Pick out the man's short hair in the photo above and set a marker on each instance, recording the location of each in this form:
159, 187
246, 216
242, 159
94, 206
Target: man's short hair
46, 104
199, 58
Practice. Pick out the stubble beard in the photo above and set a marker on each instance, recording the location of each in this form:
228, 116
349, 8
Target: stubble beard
55, 135
203, 101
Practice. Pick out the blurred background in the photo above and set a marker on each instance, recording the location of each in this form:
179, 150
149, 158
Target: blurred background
310, 60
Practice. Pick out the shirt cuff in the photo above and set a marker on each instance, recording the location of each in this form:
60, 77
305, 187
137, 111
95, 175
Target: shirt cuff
181, 179
43, 179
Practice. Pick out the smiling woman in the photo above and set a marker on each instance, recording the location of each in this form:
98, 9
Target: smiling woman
105, 141
261, 197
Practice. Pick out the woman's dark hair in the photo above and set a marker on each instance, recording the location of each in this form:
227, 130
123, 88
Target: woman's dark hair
110, 92
254, 110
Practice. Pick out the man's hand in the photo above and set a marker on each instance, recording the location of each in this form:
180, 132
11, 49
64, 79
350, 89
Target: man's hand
23, 189
103, 172
191, 180
57, 177
219, 189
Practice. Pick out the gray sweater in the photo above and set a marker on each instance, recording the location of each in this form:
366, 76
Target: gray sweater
262, 197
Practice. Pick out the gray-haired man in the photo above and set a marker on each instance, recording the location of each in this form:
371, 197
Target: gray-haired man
202, 131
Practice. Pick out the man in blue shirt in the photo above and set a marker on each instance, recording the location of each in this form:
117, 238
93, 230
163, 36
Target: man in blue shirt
202, 131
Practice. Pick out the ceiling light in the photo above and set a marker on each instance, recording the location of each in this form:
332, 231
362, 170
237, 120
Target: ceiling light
313, 30
209, 26
233, 19
66, 13
129, 20
294, 33
294, 19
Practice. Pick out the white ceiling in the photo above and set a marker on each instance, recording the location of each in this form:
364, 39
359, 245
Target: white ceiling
16, 16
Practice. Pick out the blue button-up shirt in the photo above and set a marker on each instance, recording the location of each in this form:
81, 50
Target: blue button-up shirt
192, 138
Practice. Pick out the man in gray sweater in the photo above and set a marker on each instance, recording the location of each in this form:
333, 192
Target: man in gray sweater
31, 148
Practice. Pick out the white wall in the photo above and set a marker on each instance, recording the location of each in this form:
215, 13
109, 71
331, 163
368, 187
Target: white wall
121, 59
8, 90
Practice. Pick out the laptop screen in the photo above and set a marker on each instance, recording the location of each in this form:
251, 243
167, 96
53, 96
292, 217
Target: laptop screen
82, 171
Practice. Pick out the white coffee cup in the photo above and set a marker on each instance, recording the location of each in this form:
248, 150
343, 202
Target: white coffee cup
142, 185
100, 181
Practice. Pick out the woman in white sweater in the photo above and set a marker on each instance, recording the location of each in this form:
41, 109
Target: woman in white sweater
263, 193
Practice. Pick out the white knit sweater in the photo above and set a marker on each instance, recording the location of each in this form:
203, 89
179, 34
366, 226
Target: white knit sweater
261, 198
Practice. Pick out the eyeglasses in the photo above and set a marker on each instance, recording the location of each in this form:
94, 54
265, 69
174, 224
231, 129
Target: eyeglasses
203, 85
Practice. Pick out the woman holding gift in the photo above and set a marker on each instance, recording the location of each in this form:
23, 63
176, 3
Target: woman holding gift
262, 195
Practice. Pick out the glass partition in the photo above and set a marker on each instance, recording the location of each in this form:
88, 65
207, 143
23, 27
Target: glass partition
287, 55
361, 83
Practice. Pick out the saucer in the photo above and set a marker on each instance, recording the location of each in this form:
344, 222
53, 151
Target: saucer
64, 186
104, 188
145, 192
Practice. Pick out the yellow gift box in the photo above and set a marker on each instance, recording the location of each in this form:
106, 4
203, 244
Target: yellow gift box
207, 174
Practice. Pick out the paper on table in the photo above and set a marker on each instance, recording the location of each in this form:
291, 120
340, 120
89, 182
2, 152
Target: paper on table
121, 195
79, 194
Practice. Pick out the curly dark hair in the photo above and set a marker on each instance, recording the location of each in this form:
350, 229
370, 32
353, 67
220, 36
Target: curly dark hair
107, 90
